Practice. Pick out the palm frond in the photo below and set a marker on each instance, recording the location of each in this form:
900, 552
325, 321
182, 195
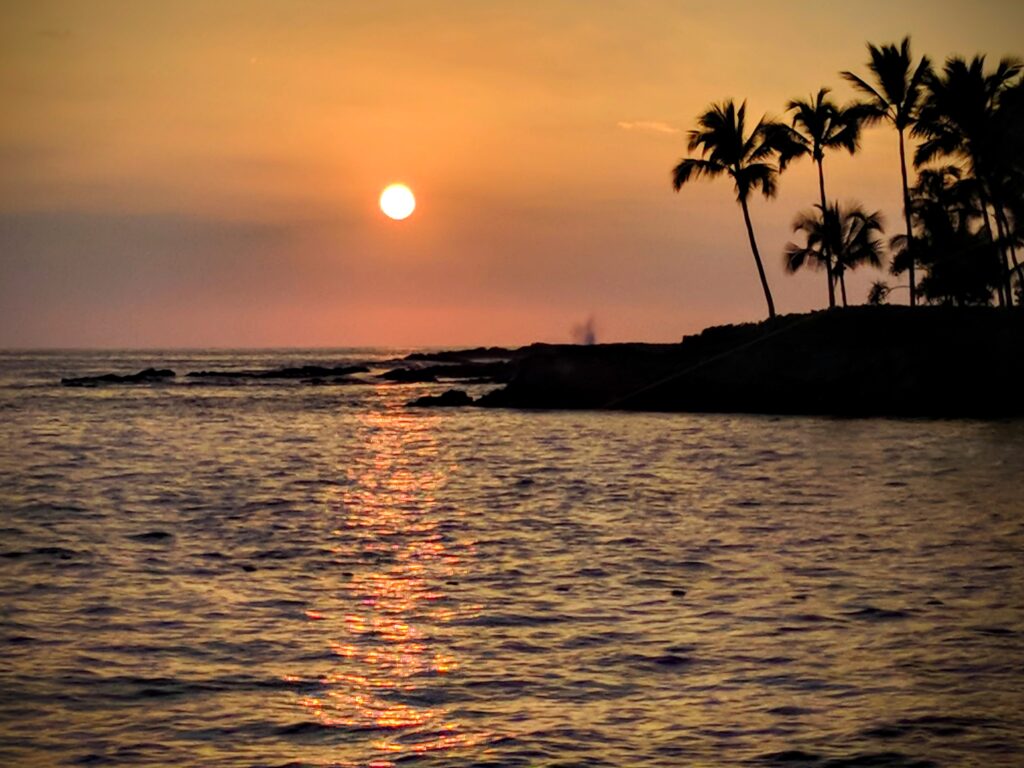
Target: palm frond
796, 257
756, 176
881, 105
692, 168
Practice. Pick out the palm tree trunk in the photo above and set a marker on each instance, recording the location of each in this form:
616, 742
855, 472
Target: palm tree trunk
906, 217
757, 259
824, 245
842, 286
991, 238
1007, 237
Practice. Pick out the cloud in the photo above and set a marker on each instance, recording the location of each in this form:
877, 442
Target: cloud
647, 126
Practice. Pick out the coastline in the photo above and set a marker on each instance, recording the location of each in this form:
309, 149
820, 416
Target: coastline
865, 361
956, 362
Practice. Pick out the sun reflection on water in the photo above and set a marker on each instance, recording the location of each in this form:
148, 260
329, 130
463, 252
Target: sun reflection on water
390, 655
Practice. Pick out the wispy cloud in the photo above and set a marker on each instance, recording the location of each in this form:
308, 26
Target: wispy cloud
647, 126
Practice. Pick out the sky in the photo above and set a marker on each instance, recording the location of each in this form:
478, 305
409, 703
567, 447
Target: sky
206, 174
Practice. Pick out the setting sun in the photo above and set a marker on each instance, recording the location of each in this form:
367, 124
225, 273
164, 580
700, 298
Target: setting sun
397, 201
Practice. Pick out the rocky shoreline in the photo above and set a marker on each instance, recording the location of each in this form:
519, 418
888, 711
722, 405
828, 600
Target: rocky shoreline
862, 361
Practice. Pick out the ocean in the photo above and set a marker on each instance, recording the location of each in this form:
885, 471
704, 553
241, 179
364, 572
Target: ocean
267, 573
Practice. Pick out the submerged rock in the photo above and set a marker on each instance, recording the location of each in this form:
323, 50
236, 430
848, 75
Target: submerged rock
410, 376
453, 398
499, 371
145, 376
300, 372
312, 371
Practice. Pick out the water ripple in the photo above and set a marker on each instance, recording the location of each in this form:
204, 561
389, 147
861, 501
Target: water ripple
282, 576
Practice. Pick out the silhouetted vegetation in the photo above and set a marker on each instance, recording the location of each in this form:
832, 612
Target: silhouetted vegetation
896, 100
958, 257
845, 237
726, 147
964, 214
819, 124
961, 122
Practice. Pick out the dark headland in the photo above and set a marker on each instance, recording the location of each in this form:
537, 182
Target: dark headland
861, 361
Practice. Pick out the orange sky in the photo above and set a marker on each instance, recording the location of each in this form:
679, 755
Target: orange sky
207, 173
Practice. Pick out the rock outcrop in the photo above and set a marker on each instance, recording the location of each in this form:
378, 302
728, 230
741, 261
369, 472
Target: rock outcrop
861, 361
453, 398
145, 376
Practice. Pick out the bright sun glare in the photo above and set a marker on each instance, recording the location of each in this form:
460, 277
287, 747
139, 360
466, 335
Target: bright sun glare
397, 201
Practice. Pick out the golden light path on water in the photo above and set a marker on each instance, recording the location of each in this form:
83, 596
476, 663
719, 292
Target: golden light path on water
279, 574
385, 643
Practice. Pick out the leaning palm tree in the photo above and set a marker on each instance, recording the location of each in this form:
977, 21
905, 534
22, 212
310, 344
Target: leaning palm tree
846, 235
819, 124
896, 99
746, 157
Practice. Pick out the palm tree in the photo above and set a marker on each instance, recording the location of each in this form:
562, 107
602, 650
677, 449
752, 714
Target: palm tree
899, 92
857, 244
957, 257
847, 235
1009, 146
879, 293
819, 124
814, 254
961, 121
746, 157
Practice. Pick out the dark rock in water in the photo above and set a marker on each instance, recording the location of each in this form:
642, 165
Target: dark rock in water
146, 376
476, 354
410, 375
581, 376
312, 371
478, 372
453, 398
499, 371
220, 375
300, 372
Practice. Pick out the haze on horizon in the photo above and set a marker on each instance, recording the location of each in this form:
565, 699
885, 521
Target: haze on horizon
207, 174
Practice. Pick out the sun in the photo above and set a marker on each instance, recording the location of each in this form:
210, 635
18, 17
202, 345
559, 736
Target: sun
397, 201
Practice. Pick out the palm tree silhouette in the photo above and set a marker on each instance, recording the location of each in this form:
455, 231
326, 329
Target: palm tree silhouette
727, 148
1009, 145
957, 258
819, 124
847, 235
960, 120
899, 92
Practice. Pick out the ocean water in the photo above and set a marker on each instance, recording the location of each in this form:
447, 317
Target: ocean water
275, 574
